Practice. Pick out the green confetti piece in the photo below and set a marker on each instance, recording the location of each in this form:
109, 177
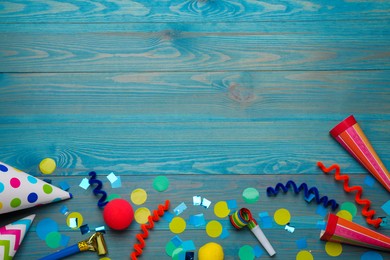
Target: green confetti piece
160, 183
250, 195
113, 196
169, 248
53, 239
246, 253
350, 207
176, 253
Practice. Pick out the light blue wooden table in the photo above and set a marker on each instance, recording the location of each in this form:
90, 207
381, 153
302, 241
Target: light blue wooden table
217, 96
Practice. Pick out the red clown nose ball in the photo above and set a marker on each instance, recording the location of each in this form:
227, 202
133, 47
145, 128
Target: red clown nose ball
118, 214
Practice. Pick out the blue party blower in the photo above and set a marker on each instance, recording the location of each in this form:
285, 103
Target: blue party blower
95, 243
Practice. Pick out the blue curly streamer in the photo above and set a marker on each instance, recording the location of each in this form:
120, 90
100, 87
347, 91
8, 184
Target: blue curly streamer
324, 200
98, 190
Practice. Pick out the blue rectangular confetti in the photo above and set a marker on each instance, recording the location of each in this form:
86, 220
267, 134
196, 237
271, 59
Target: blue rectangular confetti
258, 251
190, 256
168, 216
232, 204
176, 240
225, 233
265, 220
84, 229
301, 243
64, 210
309, 198
179, 209
117, 183
197, 220
64, 185
188, 245
321, 210
64, 240
386, 207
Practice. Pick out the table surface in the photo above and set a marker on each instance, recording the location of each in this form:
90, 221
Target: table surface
218, 96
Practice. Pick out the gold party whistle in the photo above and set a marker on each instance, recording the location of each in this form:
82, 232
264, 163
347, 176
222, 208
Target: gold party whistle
95, 243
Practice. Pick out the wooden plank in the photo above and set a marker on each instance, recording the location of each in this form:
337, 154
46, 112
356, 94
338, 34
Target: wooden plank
215, 188
278, 49
269, 147
112, 11
194, 96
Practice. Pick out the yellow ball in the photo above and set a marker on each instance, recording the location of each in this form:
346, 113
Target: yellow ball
211, 251
47, 166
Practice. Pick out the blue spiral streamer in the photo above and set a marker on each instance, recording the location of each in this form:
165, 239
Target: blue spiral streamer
324, 200
98, 189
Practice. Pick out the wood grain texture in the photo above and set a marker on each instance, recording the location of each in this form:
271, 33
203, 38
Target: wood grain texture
216, 95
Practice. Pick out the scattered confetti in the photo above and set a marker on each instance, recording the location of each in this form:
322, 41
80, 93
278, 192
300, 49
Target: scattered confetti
225, 233
113, 196
64, 185
289, 228
139, 196
176, 240
168, 216
188, 245
105, 258
246, 253
112, 178
176, 254
258, 251
250, 195
64, 240
101, 229
310, 197
221, 209
177, 225
47, 166
53, 239
117, 184
169, 248
160, 183
64, 210
321, 224
345, 215
321, 210
350, 207
232, 204
369, 181
214, 228
46, 226
282, 216
205, 203
74, 220
141, 215
371, 255
179, 209
333, 248
190, 256
84, 229
197, 220
304, 255
265, 220
84, 184
386, 207
302, 243
197, 200
384, 222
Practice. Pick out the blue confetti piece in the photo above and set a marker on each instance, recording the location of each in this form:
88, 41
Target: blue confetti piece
45, 226
301, 243
310, 198
101, 229
168, 216
263, 214
179, 209
112, 177
176, 240
321, 210
369, 181
64, 210
386, 207
84, 183
384, 222
64, 185
266, 222
190, 256
232, 204
197, 220
64, 240
188, 245
321, 225
258, 251
84, 229
117, 183
225, 233
371, 255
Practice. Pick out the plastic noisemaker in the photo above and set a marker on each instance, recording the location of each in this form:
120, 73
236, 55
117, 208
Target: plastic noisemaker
19, 190
349, 134
12, 235
242, 218
94, 243
344, 231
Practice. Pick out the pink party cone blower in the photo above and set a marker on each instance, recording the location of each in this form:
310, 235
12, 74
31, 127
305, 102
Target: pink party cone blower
344, 231
349, 134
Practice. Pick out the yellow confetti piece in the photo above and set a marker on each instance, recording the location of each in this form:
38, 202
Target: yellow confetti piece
304, 255
282, 216
214, 228
141, 215
105, 258
333, 248
177, 225
74, 220
221, 209
345, 215
138, 196
47, 166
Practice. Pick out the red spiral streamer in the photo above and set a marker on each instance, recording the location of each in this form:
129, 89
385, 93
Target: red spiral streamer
359, 190
157, 214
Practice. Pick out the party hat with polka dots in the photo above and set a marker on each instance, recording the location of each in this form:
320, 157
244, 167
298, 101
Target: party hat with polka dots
11, 236
19, 190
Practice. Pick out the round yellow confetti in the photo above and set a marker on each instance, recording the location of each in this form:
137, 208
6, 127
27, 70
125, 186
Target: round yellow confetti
74, 220
333, 248
304, 255
177, 225
141, 215
345, 215
221, 209
105, 258
282, 216
47, 166
214, 228
138, 196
